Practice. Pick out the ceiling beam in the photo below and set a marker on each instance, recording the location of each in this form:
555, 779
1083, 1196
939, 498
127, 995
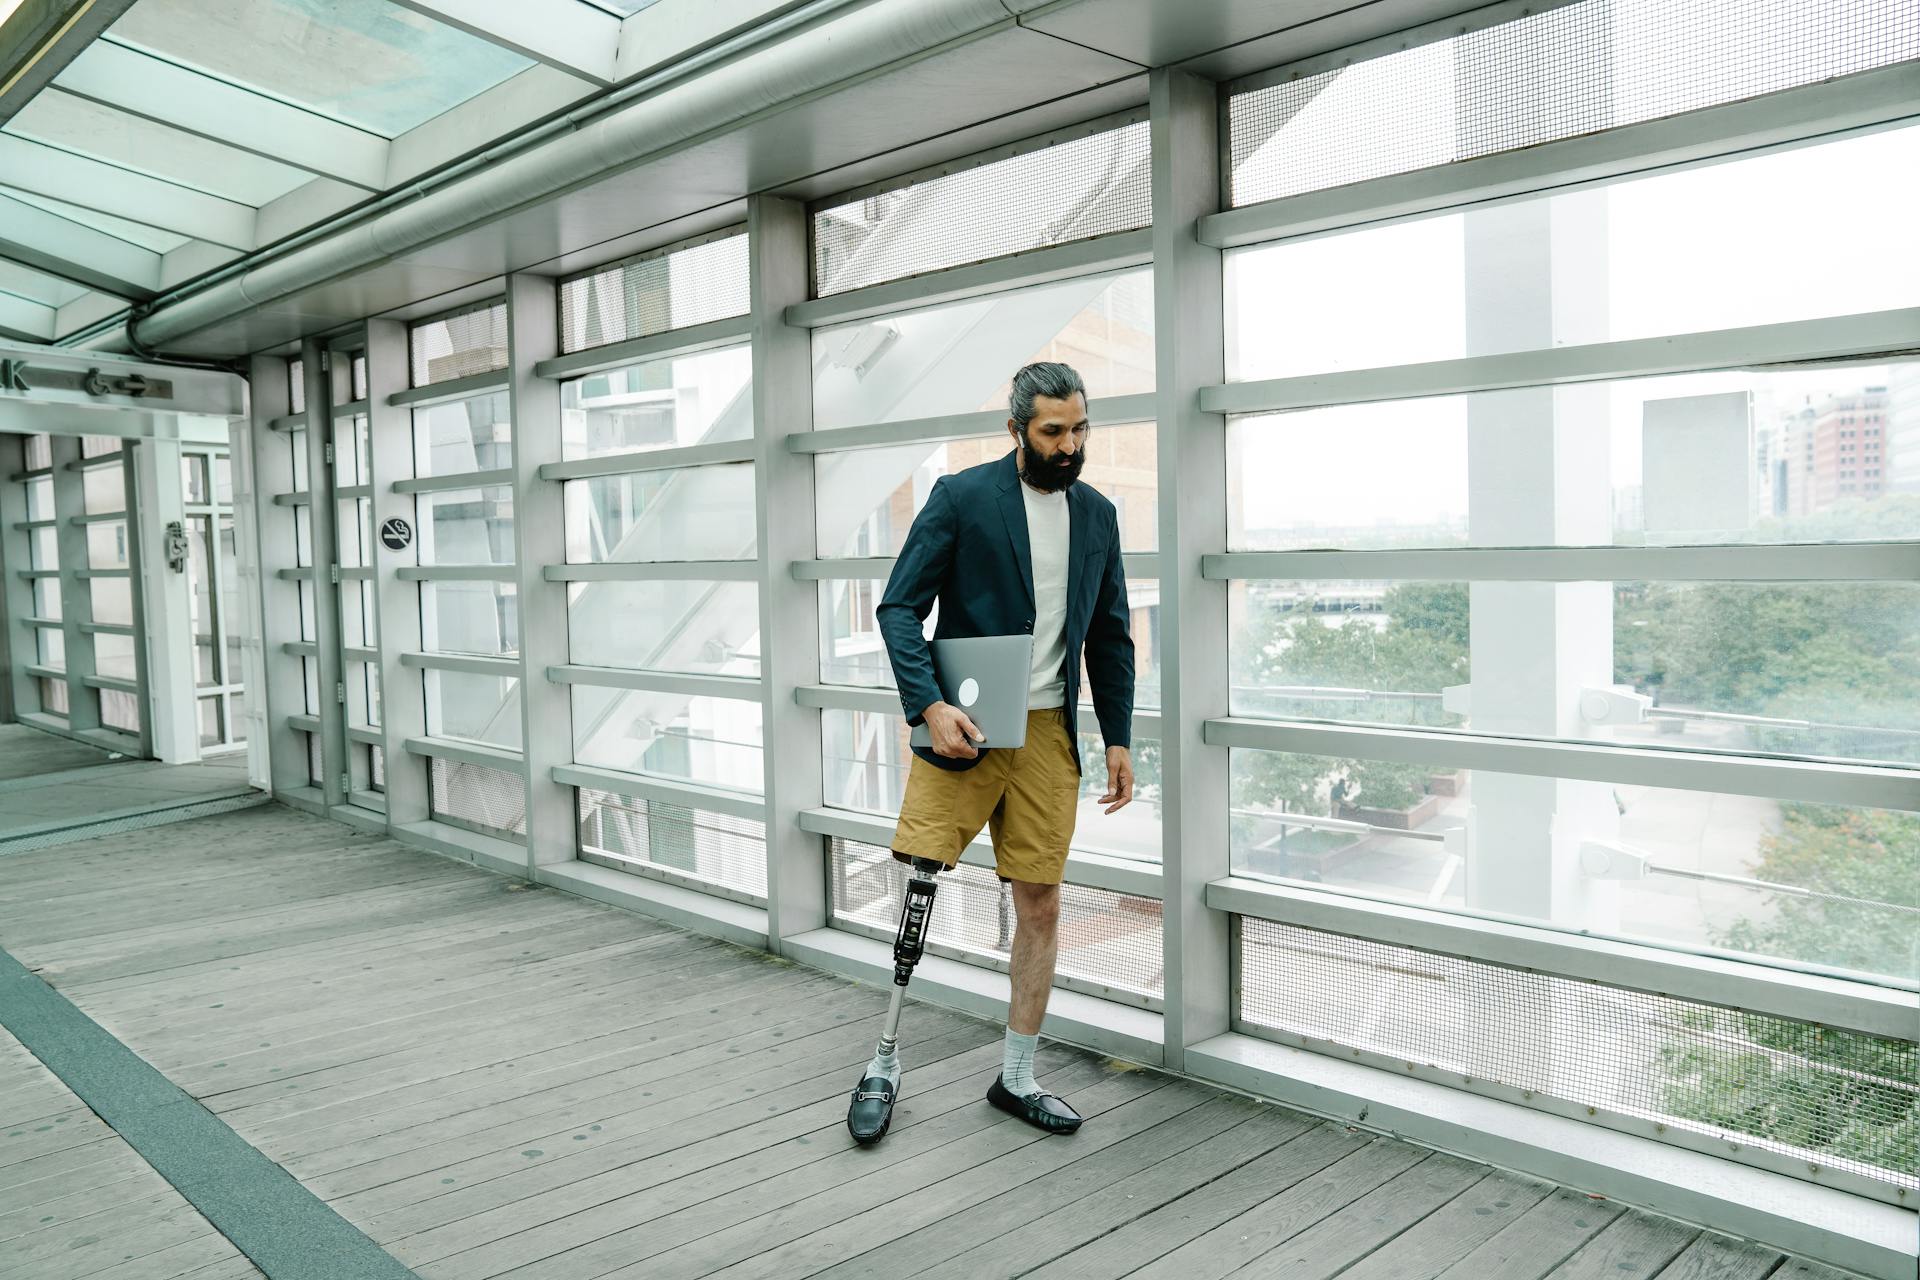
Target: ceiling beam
164, 92
104, 188
575, 38
62, 247
26, 318
41, 37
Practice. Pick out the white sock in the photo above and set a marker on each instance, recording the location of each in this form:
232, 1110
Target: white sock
1016, 1067
885, 1064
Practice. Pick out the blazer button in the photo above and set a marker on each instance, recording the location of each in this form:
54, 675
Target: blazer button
1029, 624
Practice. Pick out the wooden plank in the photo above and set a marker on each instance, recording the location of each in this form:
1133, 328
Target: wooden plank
1806, 1269
526, 1212
1717, 1257
1539, 1240
1459, 1227
1167, 1228
1636, 1247
823, 1215
1013, 1233
1337, 1241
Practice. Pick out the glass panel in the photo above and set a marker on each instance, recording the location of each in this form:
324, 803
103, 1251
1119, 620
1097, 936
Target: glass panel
357, 373
113, 656
460, 345
1675, 253
53, 697
107, 545
465, 526
50, 647
119, 710
302, 537
100, 446
852, 651
297, 385
961, 357
40, 498
306, 610
474, 708
694, 513
1820, 669
1820, 884
710, 740
297, 442
866, 500
104, 489
1569, 71
715, 847
200, 600
470, 617
46, 598
363, 695
703, 627
655, 292
698, 399
366, 63
210, 735
1738, 457
193, 477
352, 452
223, 480
464, 435
356, 615
39, 451
1069, 191
43, 548
867, 762
353, 530
310, 672
112, 600
231, 617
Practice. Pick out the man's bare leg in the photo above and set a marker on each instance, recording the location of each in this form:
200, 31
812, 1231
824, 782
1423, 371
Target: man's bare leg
1035, 944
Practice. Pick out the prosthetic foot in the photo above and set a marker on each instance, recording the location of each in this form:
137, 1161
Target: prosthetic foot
871, 1110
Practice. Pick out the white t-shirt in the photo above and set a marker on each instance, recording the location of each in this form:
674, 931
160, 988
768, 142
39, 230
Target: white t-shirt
1048, 531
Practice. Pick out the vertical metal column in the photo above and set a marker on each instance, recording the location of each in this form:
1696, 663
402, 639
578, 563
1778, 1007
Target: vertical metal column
19, 643
76, 591
540, 537
789, 609
403, 703
320, 380
162, 603
1190, 352
282, 689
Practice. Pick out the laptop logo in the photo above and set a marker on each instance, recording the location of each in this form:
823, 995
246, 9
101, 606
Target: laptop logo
969, 692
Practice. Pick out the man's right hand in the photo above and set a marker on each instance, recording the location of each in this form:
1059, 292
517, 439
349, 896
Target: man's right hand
953, 733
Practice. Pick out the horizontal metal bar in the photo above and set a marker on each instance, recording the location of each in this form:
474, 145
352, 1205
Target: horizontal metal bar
45, 673
98, 461
885, 700
467, 753
100, 628
35, 620
467, 480
31, 574
373, 801
1864, 336
96, 517
747, 688
655, 571
347, 492
738, 804
288, 422
300, 649
31, 473
86, 575
457, 573
355, 653
304, 723
654, 346
366, 737
351, 409
304, 574
1768, 777
1794, 562
1095, 871
110, 682
665, 875
1867, 1008
474, 384
617, 464
353, 573
27, 526
1865, 99
1108, 410
298, 498
472, 664
1120, 251
1135, 564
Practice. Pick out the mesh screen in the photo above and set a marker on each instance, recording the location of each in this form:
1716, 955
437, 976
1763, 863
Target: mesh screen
98, 446
716, 847
120, 710
459, 345
376, 768
479, 798
1069, 191
39, 452
53, 696
1834, 1099
1559, 74
316, 767
654, 292
1109, 939
297, 386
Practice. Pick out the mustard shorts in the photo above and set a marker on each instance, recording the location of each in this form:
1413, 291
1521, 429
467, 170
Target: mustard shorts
1028, 795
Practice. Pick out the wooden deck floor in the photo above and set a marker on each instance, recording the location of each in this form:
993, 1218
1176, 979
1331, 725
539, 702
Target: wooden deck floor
48, 783
495, 1080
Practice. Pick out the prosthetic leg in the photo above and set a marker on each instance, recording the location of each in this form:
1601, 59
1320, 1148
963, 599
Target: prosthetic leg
872, 1107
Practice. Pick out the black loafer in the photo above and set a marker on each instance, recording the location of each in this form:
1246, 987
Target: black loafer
871, 1110
1042, 1110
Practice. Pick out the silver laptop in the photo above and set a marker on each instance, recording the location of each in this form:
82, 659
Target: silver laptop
986, 677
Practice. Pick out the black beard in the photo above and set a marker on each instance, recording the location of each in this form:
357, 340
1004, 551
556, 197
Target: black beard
1050, 476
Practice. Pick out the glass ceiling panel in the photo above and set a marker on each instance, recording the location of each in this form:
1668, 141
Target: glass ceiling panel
368, 63
132, 232
623, 7
129, 142
37, 286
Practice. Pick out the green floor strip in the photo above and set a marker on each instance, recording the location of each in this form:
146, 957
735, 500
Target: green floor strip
286, 1230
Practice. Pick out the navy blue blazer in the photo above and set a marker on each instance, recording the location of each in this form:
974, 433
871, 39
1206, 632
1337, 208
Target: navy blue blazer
968, 549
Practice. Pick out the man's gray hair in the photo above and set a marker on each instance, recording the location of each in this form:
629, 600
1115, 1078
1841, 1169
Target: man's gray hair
1043, 378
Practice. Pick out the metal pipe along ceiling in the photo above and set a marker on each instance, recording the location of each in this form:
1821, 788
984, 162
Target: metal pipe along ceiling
849, 46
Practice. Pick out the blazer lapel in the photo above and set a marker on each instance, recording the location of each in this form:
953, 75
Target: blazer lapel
1013, 510
1078, 532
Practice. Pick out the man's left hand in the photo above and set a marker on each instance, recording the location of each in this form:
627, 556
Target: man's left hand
1119, 779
